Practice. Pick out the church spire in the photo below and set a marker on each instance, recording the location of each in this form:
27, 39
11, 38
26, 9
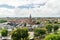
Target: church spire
30, 16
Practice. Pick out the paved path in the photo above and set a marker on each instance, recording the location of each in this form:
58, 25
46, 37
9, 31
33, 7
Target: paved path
0, 38
31, 35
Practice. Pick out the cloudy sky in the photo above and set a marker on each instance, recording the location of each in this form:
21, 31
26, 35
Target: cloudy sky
23, 8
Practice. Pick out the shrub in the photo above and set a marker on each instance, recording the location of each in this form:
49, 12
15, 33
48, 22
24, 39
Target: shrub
16, 34
39, 31
55, 22
24, 33
56, 27
49, 22
52, 37
49, 28
38, 22
2, 21
19, 33
4, 32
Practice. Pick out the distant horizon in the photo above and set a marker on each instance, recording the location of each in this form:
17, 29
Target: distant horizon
28, 17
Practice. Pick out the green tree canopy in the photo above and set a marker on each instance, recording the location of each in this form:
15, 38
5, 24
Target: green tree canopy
2, 21
52, 37
19, 33
49, 28
56, 27
39, 31
4, 32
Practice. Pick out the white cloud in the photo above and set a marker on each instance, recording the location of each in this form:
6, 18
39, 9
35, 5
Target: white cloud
6, 12
14, 2
52, 8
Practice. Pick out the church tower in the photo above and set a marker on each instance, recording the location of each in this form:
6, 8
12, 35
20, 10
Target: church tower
30, 17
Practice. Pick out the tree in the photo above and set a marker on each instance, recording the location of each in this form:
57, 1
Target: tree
24, 33
19, 33
49, 28
25, 24
4, 32
37, 22
2, 21
55, 21
49, 21
52, 37
39, 31
56, 27
16, 34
